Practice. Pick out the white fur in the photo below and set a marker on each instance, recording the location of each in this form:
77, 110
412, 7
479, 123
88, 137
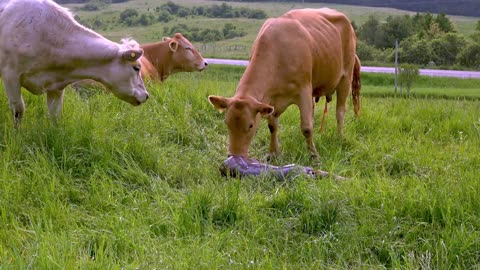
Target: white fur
43, 49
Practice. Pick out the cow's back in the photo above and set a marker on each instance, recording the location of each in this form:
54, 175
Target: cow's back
302, 46
333, 43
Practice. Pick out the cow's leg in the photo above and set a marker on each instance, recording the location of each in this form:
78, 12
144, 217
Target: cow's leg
306, 121
14, 94
343, 91
274, 150
54, 103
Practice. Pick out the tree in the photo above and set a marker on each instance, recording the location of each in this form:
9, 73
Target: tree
446, 48
368, 31
444, 23
128, 14
415, 50
478, 26
470, 56
396, 28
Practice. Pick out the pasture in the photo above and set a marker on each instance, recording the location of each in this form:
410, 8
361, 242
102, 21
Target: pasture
236, 48
113, 186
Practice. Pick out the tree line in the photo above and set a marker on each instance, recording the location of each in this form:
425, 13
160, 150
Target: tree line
424, 39
460, 7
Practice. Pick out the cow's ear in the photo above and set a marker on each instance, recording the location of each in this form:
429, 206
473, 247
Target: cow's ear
132, 55
173, 45
265, 109
219, 103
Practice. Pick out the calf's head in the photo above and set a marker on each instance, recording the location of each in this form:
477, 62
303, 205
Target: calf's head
123, 77
185, 56
242, 116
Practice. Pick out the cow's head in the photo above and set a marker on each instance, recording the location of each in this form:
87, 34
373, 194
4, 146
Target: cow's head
123, 78
185, 56
242, 117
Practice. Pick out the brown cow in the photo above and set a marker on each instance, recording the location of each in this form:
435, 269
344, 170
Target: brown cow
296, 58
161, 59
172, 55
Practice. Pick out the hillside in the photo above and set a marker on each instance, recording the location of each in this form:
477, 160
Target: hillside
460, 7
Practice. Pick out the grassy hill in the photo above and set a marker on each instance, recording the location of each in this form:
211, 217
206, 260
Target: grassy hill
231, 48
113, 186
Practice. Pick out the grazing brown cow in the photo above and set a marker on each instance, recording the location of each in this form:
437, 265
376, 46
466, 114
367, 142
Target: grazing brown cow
296, 58
172, 55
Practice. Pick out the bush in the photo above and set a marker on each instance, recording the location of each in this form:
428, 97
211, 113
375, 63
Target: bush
128, 14
408, 75
470, 56
164, 16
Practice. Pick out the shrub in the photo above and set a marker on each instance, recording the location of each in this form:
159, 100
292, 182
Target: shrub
470, 56
408, 75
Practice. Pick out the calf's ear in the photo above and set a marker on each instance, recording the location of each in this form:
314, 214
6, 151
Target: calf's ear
219, 103
265, 109
173, 45
132, 55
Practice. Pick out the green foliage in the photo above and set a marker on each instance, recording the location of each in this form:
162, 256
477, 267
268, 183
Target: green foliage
213, 11
408, 75
204, 35
415, 50
470, 56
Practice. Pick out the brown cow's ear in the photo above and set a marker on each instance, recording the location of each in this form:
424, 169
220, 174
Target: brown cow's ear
219, 103
132, 55
173, 45
265, 109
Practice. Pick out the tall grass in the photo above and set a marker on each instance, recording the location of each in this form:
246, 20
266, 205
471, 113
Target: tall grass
118, 187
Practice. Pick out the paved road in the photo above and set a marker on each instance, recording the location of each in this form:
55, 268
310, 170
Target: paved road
424, 72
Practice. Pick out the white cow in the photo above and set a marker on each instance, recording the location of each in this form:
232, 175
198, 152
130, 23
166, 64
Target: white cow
43, 49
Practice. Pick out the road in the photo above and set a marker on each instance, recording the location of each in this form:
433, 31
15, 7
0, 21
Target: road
423, 72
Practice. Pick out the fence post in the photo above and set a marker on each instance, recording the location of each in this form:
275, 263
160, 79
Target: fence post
396, 65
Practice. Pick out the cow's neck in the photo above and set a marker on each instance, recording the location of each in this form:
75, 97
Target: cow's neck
160, 56
255, 83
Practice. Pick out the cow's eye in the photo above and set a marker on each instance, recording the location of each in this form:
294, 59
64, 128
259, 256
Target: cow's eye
136, 68
251, 126
188, 48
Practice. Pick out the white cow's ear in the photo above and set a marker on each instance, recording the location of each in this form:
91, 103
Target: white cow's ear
173, 45
265, 109
219, 103
132, 55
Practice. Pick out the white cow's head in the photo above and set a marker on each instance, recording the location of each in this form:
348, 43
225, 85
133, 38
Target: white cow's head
123, 78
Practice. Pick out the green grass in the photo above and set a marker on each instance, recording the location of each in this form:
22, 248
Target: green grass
118, 187
222, 49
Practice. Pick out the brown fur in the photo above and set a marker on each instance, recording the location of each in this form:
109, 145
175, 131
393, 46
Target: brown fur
175, 54
296, 58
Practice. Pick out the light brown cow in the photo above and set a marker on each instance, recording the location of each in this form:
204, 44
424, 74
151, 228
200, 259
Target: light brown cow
296, 58
172, 55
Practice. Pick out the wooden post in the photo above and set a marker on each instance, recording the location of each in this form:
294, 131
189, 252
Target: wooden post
396, 65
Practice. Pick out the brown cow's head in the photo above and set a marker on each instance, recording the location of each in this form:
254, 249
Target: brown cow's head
242, 117
185, 57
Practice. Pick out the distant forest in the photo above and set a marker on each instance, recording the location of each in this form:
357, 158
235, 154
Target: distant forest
452, 7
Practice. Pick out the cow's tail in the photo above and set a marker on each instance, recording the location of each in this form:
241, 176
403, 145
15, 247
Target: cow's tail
356, 85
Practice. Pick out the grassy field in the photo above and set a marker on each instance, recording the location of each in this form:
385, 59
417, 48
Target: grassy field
118, 187
223, 49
